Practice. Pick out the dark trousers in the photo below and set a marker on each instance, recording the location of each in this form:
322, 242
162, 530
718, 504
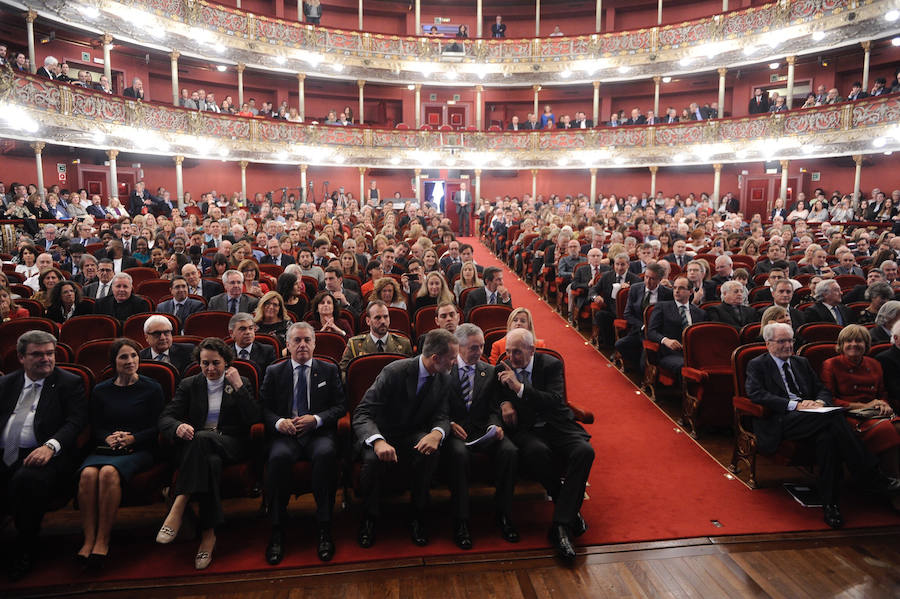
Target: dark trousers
672, 362
31, 492
456, 462
321, 451
631, 346
464, 223
422, 469
835, 443
200, 472
604, 321
539, 450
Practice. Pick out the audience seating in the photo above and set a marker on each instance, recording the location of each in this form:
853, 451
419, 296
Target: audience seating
706, 376
23, 291
34, 307
424, 320
154, 289
134, 326
751, 333
208, 324
329, 345
139, 274
11, 329
817, 353
78, 330
652, 372
490, 337
399, 320
813, 332
94, 355
489, 316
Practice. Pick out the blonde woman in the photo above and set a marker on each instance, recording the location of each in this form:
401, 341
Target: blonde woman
271, 316
115, 210
468, 277
520, 318
432, 292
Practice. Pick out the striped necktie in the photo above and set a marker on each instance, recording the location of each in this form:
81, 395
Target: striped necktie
466, 385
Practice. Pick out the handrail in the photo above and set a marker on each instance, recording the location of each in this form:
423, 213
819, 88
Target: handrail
77, 116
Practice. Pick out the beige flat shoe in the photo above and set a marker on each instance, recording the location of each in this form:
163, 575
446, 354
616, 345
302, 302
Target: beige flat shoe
203, 559
166, 535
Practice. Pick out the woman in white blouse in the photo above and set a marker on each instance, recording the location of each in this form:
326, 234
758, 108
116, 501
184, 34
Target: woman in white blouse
27, 257
114, 208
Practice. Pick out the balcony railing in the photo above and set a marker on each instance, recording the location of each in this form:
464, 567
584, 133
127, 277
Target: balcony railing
37, 109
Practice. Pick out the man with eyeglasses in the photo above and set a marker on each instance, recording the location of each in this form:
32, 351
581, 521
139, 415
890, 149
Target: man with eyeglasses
667, 324
103, 286
242, 329
158, 333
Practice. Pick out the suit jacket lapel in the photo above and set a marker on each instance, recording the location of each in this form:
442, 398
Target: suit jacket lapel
412, 379
287, 374
14, 392
480, 380
777, 376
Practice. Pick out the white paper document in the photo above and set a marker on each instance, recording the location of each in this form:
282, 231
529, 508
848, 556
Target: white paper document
822, 410
486, 438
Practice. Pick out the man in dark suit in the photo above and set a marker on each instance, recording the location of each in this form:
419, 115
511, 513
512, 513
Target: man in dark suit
87, 272
759, 103
403, 418
141, 201
180, 306
493, 292
514, 124
347, 299
136, 90
636, 117
198, 286
463, 201
783, 295
818, 265
50, 70
121, 303
96, 208
732, 309
243, 331
103, 286
667, 324
640, 296
160, 348
857, 92
645, 254
702, 290
890, 364
233, 299
786, 385
581, 122
610, 284
533, 408
473, 410
679, 255
302, 399
585, 277
828, 306
532, 123
275, 255
42, 410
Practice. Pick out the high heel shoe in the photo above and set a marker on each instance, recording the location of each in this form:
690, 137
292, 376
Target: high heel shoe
97, 561
166, 535
203, 558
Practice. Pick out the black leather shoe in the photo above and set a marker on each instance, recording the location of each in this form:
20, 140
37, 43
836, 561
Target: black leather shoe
579, 526
19, 566
418, 533
275, 548
97, 561
326, 545
461, 535
559, 537
833, 516
366, 536
507, 530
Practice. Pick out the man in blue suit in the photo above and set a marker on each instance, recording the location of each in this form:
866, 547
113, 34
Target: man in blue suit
180, 306
667, 324
640, 296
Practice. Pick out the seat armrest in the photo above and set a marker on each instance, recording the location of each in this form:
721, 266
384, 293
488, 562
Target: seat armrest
744, 406
694, 375
581, 414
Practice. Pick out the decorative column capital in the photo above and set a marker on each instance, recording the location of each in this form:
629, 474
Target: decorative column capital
301, 77
240, 67
596, 84
790, 59
174, 55
178, 158
858, 159
536, 88
30, 16
866, 45
111, 154
717, 167
107, 39
244, 165
417, 171
784, 164
535, 171
653, 169
362, 170
657, 79
477, 172
360, 83
418, 87
479, 88
593, 172
38, 147
303, 168
722, 71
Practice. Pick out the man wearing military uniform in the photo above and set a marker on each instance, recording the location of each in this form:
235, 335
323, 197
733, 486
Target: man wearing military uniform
378, 340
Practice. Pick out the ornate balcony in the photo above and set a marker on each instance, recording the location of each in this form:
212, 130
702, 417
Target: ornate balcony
36, 109
195, 27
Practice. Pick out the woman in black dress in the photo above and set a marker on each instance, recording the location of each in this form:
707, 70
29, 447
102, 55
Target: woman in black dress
124, 413
271, 317
209, 417
292, 290
66, 301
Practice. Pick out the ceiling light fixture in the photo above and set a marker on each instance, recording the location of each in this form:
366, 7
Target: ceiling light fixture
818, 36
221, 68
774, 65
667, 79
891, 15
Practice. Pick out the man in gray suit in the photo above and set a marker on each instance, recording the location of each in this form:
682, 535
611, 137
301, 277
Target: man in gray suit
180, 306
233, 299
463, 201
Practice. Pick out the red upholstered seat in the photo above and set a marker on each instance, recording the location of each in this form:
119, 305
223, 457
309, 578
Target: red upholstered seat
400, 321
489, 316
12, 329
154, 289
707, 376
424, 320
330, 345
94, 355
78, 330
817, 353
814, 332
139, 274
134, 326
208, 324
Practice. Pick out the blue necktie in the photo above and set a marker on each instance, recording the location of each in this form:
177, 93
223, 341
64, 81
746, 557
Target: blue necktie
301, 402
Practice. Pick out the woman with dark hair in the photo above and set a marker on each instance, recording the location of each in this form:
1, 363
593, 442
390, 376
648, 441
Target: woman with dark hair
46, 282
141, 251
27, 256
292, 290
9, 310
124, 417
209, 422
219, 266
324, 317
35, 205
66, 301
252, 283
174, 264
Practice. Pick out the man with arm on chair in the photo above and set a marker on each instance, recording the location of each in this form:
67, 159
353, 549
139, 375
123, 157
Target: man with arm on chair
667, 324
302, 401
493, 291
786, 385
640, 296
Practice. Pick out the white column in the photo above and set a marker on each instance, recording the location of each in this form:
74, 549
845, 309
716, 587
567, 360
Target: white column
537, 18
790, 80
361, 83
113, 174
303, 184
238, 3
300, 10
659, 13
362, 183
717, 184
596, 110
179, 180
537, 111
418, 184
867, 46
534, 173
724, 5
301, 107
176, 96
107, 67
240, 72
479, 106
418, 106
722, 72
418, 17
858, 159
784, 180
598, 24
593, 198
360, 16
244, 164
653, 170
30, 16
477, 177
38, 148
479, 18
656, 82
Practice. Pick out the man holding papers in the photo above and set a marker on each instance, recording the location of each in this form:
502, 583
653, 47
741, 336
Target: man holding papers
789, 389
474, 409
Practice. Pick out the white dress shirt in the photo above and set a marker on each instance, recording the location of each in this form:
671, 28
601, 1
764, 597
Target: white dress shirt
296, 374
27, 437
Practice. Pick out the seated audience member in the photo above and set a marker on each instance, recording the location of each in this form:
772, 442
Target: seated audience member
445, 317
242, 329
473, 408
161, 347
890, 366
774, 313
121, 302
66, 301
702, 288
252, 283
180, 305
9, 310
275, 255
828, 306
667, 324
324, 317
856, 382
468, 278
533, 408
847, 265
887, 316
103, 285
732, 310
373, 274
818, 265
403, 418
124, 417
233, 299
271, 317
346, 299
378, 339
641, 295
858, 292
783, 295
877, 294
786, 385
209, 422
585, 277
519, 318
433, 292
47, 280
603, 294
493, 292
388, 290
566, 268
43, 262
40, 454
302, 400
